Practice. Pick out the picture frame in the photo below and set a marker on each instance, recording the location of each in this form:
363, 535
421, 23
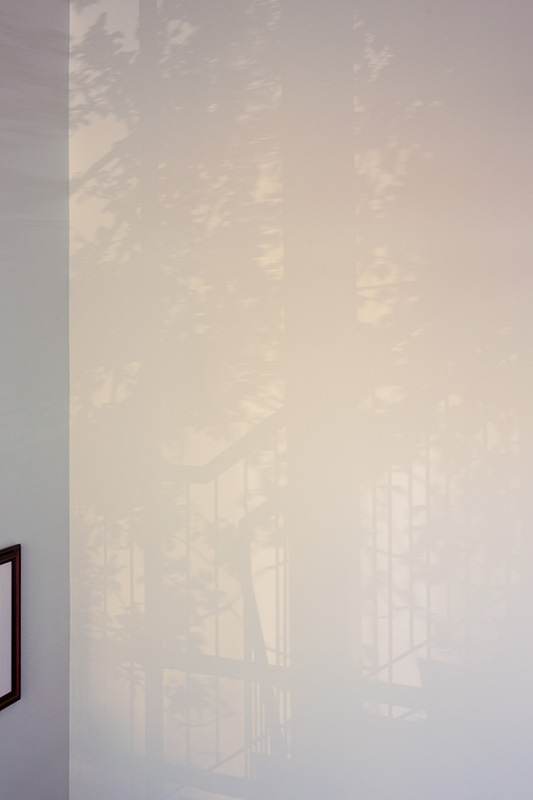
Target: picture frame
9, 625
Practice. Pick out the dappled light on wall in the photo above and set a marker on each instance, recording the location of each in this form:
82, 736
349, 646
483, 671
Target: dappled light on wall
300, 400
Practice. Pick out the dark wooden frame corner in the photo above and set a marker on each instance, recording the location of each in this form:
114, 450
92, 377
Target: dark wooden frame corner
11, 555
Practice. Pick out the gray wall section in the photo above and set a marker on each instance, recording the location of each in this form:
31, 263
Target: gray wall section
34, 385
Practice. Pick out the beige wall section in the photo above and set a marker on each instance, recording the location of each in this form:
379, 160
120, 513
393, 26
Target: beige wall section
34, 385
301, 400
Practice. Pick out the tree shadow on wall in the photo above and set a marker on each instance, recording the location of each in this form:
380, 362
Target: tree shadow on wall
182, 204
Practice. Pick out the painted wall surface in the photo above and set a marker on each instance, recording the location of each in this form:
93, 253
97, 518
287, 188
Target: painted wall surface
34, 385
301, 400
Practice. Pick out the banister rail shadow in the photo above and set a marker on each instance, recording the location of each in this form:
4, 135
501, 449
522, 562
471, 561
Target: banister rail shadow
240, 449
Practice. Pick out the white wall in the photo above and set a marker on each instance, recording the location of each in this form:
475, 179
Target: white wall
301, 385
34, 385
